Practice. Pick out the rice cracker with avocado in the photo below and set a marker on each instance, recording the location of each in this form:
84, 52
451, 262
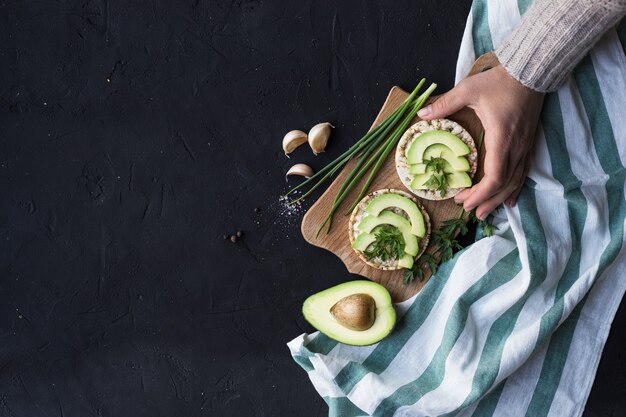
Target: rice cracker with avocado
412, 222
404, 168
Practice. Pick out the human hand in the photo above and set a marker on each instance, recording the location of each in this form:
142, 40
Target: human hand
509, 113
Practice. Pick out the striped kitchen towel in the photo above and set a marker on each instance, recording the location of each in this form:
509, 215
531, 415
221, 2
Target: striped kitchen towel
513, 325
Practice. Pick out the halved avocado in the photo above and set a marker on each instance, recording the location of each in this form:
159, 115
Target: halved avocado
384, 201
455, 180
344, 311
369, 222
415, 151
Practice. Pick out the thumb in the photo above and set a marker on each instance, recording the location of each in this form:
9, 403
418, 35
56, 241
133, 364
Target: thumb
444, 105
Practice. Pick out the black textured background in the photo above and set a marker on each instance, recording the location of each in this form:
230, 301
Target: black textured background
133, 135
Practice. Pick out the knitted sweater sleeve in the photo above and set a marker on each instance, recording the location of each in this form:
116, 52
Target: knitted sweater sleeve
553, 37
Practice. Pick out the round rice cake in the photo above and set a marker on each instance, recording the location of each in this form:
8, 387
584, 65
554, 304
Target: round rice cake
402, 165
359, 212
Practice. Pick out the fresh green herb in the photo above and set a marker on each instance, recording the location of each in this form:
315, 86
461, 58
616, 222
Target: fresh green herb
443, 243
389, 244
438, 182
480, 139
381, 154
486, 226
365, 144
488, 229
408, 275
436, 164
432, 263
443, 238
438, 178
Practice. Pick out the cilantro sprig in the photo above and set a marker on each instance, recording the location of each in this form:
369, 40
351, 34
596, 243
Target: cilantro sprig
438, 179
389, 244
445, 244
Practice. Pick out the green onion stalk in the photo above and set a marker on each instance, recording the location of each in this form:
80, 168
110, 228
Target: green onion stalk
367, 142
371, 152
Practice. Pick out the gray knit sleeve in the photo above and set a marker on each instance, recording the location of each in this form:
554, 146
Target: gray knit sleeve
554, 36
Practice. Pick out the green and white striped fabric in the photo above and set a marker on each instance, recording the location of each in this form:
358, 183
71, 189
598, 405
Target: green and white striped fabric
515, 324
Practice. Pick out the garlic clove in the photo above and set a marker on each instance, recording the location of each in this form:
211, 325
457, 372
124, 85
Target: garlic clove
318, 136
300, 169
292, 140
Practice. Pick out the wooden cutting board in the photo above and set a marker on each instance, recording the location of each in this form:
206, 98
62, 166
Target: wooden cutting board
338, 242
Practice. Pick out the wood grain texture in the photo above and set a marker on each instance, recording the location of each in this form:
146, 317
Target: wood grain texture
337, 240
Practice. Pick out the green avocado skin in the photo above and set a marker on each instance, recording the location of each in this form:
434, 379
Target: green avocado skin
316, 311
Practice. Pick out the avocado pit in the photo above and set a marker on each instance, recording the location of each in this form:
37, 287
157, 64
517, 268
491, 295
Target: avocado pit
356, 311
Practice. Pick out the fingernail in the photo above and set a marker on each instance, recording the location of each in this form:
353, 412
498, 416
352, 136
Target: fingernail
425, 111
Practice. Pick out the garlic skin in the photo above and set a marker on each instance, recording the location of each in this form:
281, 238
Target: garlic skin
292, 140
302, 170
318, 136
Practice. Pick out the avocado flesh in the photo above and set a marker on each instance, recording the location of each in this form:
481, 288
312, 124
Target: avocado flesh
384, 201
455, 180
363, 240
369, 222
453, 162
417, 169
406, 261
316, 310
415, 151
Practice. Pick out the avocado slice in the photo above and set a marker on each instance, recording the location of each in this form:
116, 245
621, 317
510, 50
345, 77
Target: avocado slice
406, 261
455, 180
384, 201
415, 151
366, 301
369, 222
458, 163
363, 240
421, 168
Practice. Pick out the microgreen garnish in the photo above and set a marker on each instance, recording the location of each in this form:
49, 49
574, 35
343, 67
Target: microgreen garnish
389, 244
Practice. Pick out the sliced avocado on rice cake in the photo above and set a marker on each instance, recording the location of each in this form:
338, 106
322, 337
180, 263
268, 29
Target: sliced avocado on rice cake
436, 159
389, 229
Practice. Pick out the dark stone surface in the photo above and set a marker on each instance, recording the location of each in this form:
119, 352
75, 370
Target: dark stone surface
133, 136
